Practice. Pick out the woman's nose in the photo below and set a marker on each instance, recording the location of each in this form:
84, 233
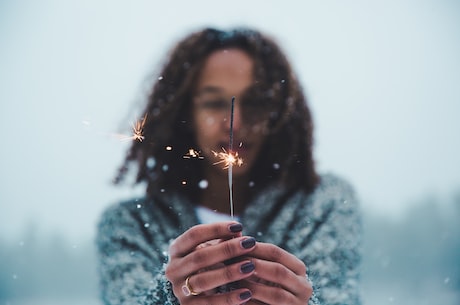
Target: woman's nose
237, 119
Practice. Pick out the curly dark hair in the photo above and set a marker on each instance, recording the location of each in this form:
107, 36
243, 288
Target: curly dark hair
168, 129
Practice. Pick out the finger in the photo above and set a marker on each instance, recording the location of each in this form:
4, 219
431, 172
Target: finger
274, 253
198, 234
211, 279
255, 302
272, 294
276, 273
238, 296
211, 255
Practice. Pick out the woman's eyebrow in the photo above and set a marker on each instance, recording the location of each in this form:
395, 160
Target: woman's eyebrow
215, 89
209, 89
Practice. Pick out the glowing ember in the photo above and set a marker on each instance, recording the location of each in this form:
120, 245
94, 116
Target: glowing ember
228, 159
192, 154
138, 131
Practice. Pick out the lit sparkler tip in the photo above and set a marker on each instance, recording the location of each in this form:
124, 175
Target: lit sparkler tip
227, 158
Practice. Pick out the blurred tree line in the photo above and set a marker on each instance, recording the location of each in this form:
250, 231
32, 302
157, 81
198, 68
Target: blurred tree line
419, 250
416, 257
38, 267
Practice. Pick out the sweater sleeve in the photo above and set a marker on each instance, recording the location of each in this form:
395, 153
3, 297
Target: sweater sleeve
131, 263
327, 237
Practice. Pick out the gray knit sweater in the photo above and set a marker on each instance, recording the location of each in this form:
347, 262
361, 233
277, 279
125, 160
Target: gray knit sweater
323, 229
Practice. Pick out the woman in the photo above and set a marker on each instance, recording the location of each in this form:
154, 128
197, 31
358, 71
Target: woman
179, 245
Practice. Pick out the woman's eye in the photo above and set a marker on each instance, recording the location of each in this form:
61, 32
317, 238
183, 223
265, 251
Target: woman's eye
255, 103
215, 105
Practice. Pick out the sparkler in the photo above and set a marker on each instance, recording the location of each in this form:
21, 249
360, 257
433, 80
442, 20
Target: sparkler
229, 159
230, 165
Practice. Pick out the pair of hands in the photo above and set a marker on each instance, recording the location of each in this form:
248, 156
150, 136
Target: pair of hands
214, 255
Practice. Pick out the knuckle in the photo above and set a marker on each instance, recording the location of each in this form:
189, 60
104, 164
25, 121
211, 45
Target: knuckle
229, 300
168, 272
228, 249
228, 274
299, 268
194, 233
308, 291
280, 272
216, 230
303, 295
172, 249
276, 253
278, 296
198, 257
200, 283
303, 268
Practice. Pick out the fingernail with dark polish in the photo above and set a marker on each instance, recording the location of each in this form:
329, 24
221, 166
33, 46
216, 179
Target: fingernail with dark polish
248, 243
235, 228
247, 267
245, 295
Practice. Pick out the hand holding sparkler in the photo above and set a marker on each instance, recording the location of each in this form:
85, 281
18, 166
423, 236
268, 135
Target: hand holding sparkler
215, 244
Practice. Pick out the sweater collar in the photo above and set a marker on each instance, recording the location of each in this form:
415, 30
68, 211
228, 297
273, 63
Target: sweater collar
254, 218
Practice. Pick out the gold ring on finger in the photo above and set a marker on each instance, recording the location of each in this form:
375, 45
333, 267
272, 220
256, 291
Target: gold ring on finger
187, 288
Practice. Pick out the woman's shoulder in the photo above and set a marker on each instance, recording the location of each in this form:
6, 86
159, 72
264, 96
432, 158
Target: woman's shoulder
334, 192
167, 210
332, 182
122, 210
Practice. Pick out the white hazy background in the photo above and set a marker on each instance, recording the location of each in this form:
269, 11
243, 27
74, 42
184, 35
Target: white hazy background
382, 79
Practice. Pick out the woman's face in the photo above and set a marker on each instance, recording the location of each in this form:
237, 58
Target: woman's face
226, 73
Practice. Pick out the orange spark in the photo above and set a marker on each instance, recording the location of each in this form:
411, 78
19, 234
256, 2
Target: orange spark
138, 131
227, 158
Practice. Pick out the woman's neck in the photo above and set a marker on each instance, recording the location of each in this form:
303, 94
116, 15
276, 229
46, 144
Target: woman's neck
217, 195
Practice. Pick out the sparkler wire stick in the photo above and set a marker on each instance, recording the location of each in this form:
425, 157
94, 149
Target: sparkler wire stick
230, 167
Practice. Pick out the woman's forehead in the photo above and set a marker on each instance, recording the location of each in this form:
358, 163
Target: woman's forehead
225, 71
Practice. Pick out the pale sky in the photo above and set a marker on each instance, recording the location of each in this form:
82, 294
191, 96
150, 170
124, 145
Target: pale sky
382, 79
